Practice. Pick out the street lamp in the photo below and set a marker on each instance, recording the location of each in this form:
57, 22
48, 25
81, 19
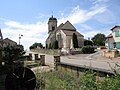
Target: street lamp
20, 35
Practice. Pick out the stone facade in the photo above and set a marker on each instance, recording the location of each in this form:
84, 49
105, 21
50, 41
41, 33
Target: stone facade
63, 34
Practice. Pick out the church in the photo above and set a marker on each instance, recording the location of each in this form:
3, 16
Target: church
63, 34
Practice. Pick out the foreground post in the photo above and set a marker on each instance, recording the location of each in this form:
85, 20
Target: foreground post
42, 60
56, 61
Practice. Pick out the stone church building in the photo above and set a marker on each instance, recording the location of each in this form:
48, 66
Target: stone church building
63, 34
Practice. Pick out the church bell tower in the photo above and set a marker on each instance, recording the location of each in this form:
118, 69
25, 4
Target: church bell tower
52, 24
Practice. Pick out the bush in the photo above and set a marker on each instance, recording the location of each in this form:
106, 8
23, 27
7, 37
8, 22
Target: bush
88, 49
55, 44
87, 81
88, 42
75, 41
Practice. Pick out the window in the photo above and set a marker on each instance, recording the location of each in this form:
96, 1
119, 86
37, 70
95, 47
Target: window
53, 28
118, 45
117, 33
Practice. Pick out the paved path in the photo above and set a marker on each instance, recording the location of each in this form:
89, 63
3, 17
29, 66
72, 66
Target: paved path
95, 60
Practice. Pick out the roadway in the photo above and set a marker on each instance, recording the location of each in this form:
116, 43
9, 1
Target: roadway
95, 60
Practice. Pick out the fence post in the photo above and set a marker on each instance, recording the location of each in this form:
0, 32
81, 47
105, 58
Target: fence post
30, 56
36, 56
56, 62
42, 60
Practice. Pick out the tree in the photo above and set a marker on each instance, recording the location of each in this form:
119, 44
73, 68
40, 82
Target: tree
50, 46
99, 39
46, 46
35, 45
75, 41
55, 44
88, 43
88, 49
0, 56
12, 53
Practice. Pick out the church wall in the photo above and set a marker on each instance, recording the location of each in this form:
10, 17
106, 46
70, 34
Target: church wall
63, 38
51, 39
68, 41
80, 41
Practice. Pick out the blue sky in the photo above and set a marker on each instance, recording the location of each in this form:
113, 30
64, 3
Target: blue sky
30, 17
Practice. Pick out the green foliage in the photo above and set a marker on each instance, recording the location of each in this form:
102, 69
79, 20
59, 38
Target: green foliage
75, 41
55, 44
99, 39
50, 46
118, 55
35, 45
0, 57
88, 81
46, 46
88, 49
11, 53
111, 83
88, 42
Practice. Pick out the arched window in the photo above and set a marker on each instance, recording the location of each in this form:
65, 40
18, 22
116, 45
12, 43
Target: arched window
59, 39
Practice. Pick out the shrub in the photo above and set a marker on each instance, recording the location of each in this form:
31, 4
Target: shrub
55, 44
75, 40
88, 49
118, 55
88, 42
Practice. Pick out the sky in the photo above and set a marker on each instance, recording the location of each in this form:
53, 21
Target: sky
30, 17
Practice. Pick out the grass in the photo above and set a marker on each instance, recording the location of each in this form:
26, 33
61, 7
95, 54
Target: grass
118, 55
88, 81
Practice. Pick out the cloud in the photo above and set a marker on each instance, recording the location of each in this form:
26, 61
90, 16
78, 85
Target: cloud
107, 17
78, 15
35, 32
99, 1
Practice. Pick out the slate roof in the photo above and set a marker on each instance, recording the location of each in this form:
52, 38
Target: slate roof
115, 27
70, 33
7, 40
52, 18
68, 26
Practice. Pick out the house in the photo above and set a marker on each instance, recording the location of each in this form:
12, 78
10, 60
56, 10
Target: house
63, 34
113, 39
6, 41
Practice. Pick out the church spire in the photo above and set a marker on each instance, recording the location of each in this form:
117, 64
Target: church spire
52, 24
1, 37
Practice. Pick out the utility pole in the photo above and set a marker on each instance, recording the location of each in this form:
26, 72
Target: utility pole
20, 35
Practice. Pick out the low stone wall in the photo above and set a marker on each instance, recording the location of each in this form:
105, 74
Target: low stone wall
110, 54
47, 51
57, 51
